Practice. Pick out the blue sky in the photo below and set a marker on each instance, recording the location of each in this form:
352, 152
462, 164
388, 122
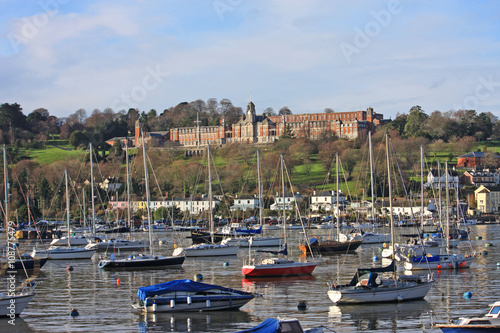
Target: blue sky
309, 55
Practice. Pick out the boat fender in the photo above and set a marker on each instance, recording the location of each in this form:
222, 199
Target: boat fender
154, 306
172, 303
375, 258
74, 313
198, 277
302, 305
189, 300
226, 263
208, 303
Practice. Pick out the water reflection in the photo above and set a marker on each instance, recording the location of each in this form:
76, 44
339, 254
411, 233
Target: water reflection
215, 321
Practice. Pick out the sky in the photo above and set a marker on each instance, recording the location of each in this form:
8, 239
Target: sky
308, 55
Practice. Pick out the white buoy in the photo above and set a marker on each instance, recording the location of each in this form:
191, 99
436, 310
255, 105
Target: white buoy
154, 307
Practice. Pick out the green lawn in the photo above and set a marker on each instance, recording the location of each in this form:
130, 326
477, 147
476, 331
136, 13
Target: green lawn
51, 154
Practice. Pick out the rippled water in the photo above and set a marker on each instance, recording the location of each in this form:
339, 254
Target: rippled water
106, 307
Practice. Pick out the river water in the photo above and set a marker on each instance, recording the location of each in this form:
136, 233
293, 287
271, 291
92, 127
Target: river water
105, 306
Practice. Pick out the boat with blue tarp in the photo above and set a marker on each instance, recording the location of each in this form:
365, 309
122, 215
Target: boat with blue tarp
188, 295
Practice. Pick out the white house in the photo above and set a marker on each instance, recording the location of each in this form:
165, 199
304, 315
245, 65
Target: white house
327, 200
437, 179
288, 201
245, 202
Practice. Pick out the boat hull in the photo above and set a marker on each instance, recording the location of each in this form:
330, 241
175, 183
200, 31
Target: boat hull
195, 303
20, 302
353, 295
256, 241
138, 263
19, 266
278, 270
469, 328
66, 254
207, 250
330, 247
445, 262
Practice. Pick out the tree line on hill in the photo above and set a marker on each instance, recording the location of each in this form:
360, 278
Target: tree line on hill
457, 132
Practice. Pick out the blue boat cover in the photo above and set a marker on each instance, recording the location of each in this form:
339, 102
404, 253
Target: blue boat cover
270, 325
180, 285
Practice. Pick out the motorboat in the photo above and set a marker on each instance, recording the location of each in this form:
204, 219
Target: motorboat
188, 295
438, 261
489, 323
367, 287
273, 325
140, 261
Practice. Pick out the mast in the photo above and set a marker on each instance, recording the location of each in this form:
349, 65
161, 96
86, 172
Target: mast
371, 175
6, 185
447, 229
260, 188
147, 194
337, 199
67, 203
283, 186
439, 191
422, 186
210, 218
128, 185
391, 220
84, 209
92, 189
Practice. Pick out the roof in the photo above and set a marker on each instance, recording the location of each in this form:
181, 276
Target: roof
477, 154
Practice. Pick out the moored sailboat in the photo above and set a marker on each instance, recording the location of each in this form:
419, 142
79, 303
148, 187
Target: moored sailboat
141, 260
278, 266
367, 287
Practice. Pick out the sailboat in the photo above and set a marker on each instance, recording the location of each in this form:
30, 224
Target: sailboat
68, 252
143, 261
208, 250
250, 239
121, 244
278, 266
447, 260
367, 287
343, 243
371, 237
13, 302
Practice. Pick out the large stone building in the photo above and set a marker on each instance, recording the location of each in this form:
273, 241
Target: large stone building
253, 128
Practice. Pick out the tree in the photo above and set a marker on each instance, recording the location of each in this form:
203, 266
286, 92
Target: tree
287, 132
398, 124
414, 122
269, 112
329, 110
284, 111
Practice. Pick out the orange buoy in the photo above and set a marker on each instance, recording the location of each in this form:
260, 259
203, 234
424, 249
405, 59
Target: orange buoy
117, 282
438, 266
